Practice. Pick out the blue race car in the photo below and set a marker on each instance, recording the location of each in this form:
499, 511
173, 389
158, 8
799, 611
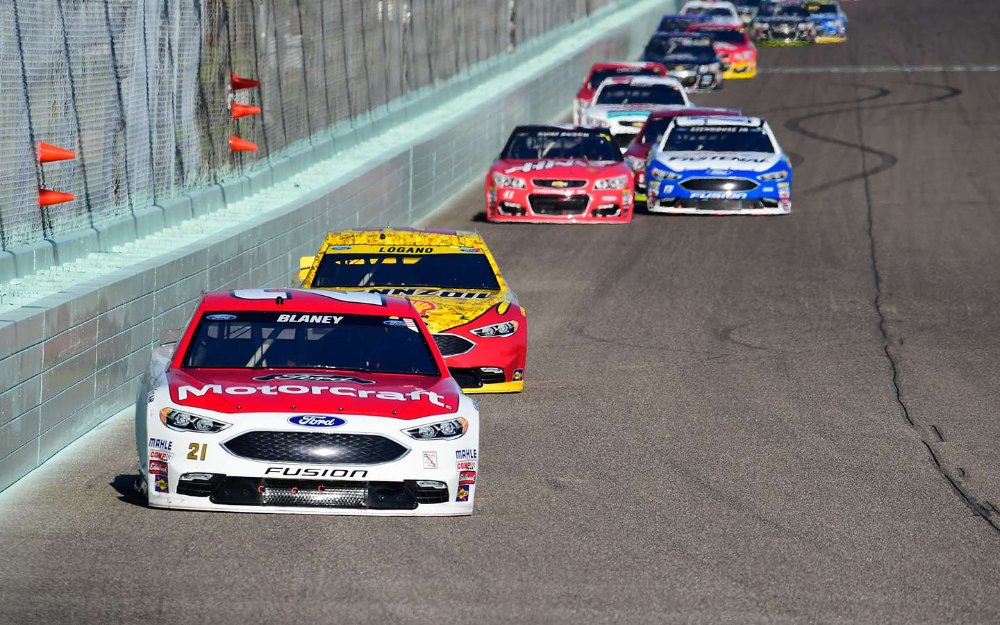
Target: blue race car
719, 166
830, 20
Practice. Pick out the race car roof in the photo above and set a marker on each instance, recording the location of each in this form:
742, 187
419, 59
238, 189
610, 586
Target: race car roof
537, 128
750, 122
404, 236
306, 301
693, 112
642, 81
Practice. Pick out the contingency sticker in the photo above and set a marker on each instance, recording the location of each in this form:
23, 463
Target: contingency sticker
463, 493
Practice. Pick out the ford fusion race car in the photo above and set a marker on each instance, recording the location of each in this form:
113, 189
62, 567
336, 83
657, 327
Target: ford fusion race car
734, 47
559, 174
621, 105
719, 166
830, 20
713, 11
637, 154
783, 24
689, 57
312, 402
453, 282
600, 71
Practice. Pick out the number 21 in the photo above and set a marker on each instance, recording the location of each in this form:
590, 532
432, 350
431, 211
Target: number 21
196, 451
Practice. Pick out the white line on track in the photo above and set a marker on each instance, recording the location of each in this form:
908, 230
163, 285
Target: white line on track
880, 69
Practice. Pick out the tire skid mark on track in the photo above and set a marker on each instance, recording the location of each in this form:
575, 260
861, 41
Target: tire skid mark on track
985, 510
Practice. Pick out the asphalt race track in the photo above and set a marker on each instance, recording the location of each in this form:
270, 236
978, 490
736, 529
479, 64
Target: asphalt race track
727, 420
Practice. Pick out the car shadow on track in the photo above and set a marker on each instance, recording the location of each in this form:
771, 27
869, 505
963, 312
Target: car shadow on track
125, 485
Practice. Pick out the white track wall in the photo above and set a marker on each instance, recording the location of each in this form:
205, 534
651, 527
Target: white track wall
72, 359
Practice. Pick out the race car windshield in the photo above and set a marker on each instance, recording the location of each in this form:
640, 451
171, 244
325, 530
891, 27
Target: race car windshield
533, 146
640, 94
600, 75
718, 139
654, 129
674, 24
726, 36
292, 340
795, 12
442, 271
708, 11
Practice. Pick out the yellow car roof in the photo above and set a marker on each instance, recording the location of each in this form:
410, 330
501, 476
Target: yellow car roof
404, 236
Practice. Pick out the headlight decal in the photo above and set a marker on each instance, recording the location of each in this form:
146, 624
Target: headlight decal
442, 430
496, 330
186, 422
510, 182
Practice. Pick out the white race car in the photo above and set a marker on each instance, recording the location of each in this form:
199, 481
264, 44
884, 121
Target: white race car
713, 11
622, 104
316, 402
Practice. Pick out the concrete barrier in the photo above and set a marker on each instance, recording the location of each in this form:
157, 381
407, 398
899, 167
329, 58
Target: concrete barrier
71, 358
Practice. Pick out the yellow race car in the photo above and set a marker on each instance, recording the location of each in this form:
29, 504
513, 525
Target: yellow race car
453, 282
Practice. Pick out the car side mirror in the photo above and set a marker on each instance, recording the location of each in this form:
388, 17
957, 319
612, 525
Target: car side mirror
305, 264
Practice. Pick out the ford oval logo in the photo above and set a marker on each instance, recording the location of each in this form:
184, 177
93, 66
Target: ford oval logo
220, 317
316, 421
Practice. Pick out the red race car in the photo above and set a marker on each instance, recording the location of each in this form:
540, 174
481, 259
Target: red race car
561, 174
651, 133
600, 71
734, 47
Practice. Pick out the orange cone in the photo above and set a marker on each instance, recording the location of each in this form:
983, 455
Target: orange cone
242, 110
241, 145
238, 82
47, 197
48, 153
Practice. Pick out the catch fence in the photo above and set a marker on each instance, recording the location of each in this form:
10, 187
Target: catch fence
141, 89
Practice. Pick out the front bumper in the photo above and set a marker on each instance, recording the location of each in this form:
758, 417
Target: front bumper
741, 69
200, 472
538, 205
491, 365
672, 198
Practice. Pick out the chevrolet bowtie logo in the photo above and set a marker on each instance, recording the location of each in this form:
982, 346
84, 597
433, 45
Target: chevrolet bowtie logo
560, 184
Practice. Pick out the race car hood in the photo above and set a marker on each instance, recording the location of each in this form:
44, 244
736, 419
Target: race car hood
742, 161
557, 168
612, 111
442, 309
235, 391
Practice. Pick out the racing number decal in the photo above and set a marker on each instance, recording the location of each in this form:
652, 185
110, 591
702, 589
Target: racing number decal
196, 451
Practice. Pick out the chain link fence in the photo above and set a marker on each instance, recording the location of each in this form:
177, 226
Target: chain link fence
140, 89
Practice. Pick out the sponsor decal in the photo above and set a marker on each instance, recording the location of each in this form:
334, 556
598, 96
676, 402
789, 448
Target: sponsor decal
151, 397
316, 421
467, 478
338, 248
718, 172
527, 168
184, 392
160, 484
159, 455
466, 454
334, 319
307, 472
430, 459
313, 377
220, 317
465, 465
157, 467
717, 195
161, 444
608, 198
423, 307
463, 493
470, 250
518, 375
429, 292
695, 158
407, 250
395, 322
